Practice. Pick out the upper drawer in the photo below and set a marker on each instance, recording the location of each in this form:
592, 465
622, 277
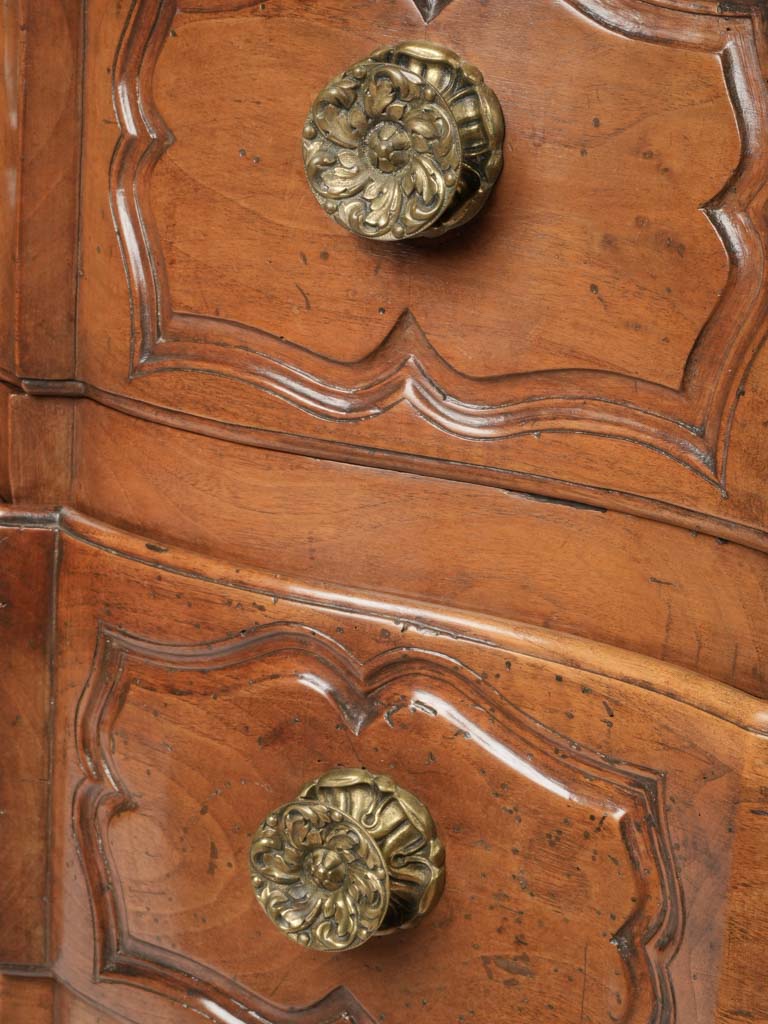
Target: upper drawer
610, 292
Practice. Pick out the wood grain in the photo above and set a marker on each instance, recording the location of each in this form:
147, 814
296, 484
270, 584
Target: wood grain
748, 932
26, 1000
26, 582
647, 587
38, 211
489, 515
40, 441
561, 359
5, 474
477, 338
187, 707
73, 1009
9, 150
400, 679
44, 1001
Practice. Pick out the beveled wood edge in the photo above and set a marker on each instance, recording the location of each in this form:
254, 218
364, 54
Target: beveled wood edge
31, 971
9, 378
29, 517
699, 692
36, 521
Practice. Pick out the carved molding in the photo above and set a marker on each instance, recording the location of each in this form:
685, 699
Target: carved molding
646, 942
690, 425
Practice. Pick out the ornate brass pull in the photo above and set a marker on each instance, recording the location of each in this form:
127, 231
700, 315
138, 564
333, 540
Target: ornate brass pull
354, 855
407, 142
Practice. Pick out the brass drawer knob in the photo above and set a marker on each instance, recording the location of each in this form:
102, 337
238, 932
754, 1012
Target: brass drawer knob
407, 142
354, 855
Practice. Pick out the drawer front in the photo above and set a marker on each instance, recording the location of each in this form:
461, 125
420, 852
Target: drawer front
591, 815
592, 328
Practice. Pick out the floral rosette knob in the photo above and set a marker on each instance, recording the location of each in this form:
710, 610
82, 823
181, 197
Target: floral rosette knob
353, 856
405, 143
319, 877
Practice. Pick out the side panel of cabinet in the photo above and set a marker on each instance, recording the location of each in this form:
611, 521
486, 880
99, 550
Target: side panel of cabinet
26, 584
40, 132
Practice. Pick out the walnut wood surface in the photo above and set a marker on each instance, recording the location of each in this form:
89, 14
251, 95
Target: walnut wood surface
635, 787
5, 443
25, 625
488, 514
512, 753
39, 128
27, 1000
595, 573
39, 448
612, 292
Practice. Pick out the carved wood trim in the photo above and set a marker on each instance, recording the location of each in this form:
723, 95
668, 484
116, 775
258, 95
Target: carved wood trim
99, 798
690, 425
549, 488
647, 941
684, 686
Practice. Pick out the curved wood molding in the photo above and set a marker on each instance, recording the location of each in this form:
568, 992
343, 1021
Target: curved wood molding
690, 425
673, 682
631, 795
538, 485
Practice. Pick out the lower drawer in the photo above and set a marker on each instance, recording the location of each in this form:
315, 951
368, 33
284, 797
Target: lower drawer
595, 821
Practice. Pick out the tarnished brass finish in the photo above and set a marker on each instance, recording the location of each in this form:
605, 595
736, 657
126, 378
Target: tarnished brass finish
407, 142
352, 856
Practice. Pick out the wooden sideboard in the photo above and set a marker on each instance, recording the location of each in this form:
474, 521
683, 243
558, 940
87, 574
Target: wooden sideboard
484, 514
